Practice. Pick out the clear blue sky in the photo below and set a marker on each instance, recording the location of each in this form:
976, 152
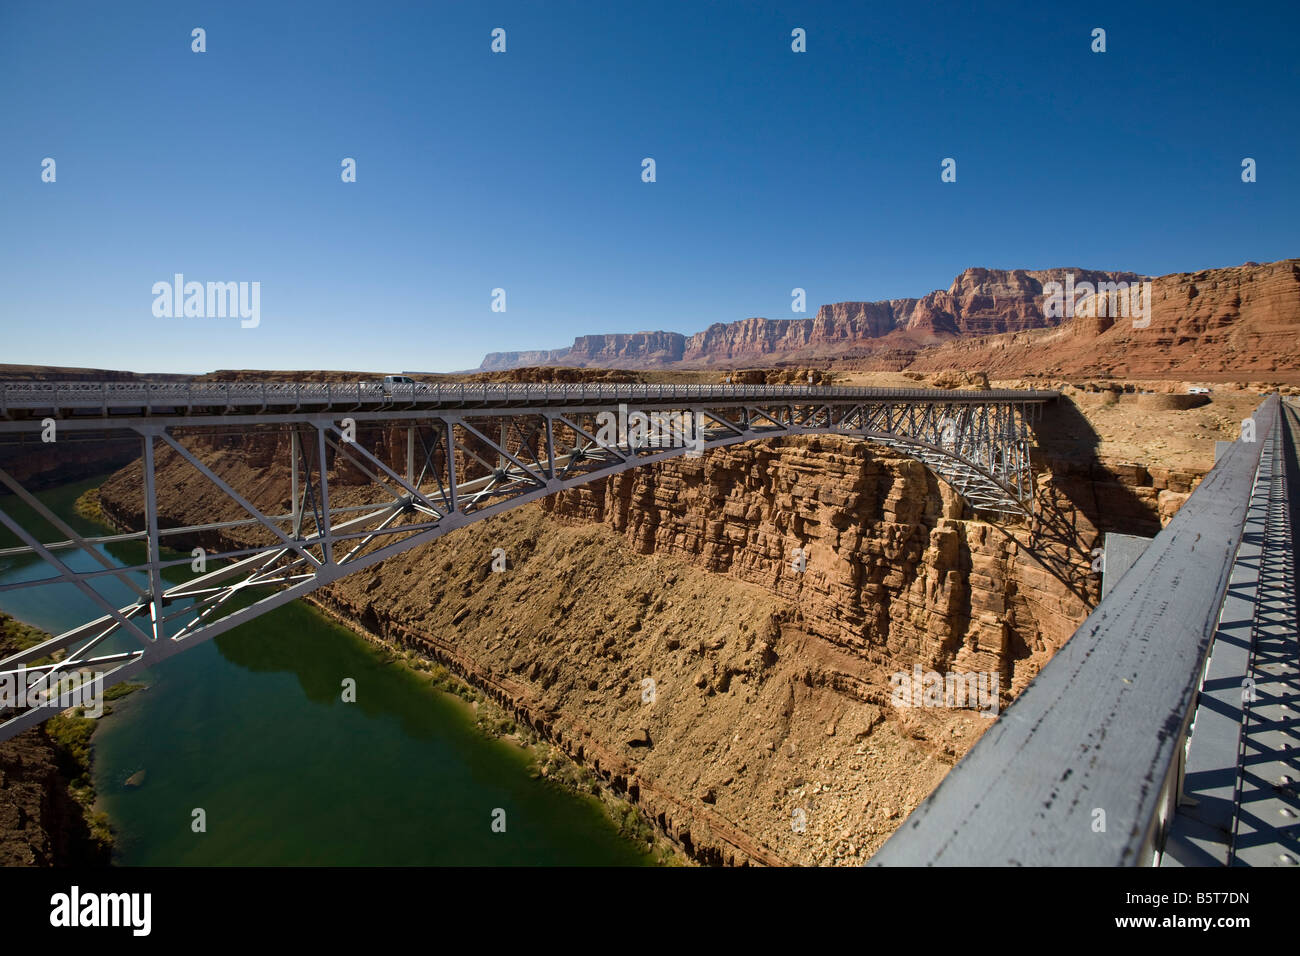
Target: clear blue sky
523, 170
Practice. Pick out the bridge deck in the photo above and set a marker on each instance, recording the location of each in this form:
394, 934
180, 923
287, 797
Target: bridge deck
27, 400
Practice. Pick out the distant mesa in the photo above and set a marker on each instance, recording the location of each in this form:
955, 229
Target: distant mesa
1233, 319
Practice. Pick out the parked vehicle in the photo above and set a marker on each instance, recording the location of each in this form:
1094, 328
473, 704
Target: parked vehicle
391, 380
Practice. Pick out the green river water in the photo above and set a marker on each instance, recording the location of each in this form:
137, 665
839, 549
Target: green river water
251, 727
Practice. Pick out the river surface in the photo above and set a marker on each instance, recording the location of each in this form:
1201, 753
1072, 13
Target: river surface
252, 729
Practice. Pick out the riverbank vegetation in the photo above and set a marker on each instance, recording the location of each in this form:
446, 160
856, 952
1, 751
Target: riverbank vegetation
87, 506
70, 732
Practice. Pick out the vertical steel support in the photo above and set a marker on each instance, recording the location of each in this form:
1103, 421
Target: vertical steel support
154, 557
294, 454
327, 532
550, 448
450, 444
410, 455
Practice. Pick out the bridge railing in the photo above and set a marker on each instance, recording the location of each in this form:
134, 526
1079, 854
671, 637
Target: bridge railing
1083, 768
105, 395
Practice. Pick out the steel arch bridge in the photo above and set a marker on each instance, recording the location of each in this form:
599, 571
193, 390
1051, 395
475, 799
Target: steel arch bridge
421, 461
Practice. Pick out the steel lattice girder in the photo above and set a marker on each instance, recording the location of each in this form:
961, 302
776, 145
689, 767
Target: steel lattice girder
425, 474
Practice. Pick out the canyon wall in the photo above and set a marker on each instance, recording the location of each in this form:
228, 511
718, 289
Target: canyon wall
37, 465
41, 821
1240, 319
1218, 322
978, 301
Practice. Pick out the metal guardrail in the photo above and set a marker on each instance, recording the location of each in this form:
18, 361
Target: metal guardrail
1085, 766
1238, 804
23, 396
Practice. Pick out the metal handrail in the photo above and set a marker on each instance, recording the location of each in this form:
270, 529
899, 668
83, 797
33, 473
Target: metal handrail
18, 395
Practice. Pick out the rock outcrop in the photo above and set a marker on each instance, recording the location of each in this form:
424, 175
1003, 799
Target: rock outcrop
1229, 320
496, 361
1234, 323
979, 301
41, 822
35, 809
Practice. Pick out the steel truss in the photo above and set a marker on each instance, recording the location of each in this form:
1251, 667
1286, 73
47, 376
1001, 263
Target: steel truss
369, 483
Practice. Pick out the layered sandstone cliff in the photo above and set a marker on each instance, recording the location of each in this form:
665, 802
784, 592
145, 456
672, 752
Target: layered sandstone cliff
978, 302
1236, 323
1233, 321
